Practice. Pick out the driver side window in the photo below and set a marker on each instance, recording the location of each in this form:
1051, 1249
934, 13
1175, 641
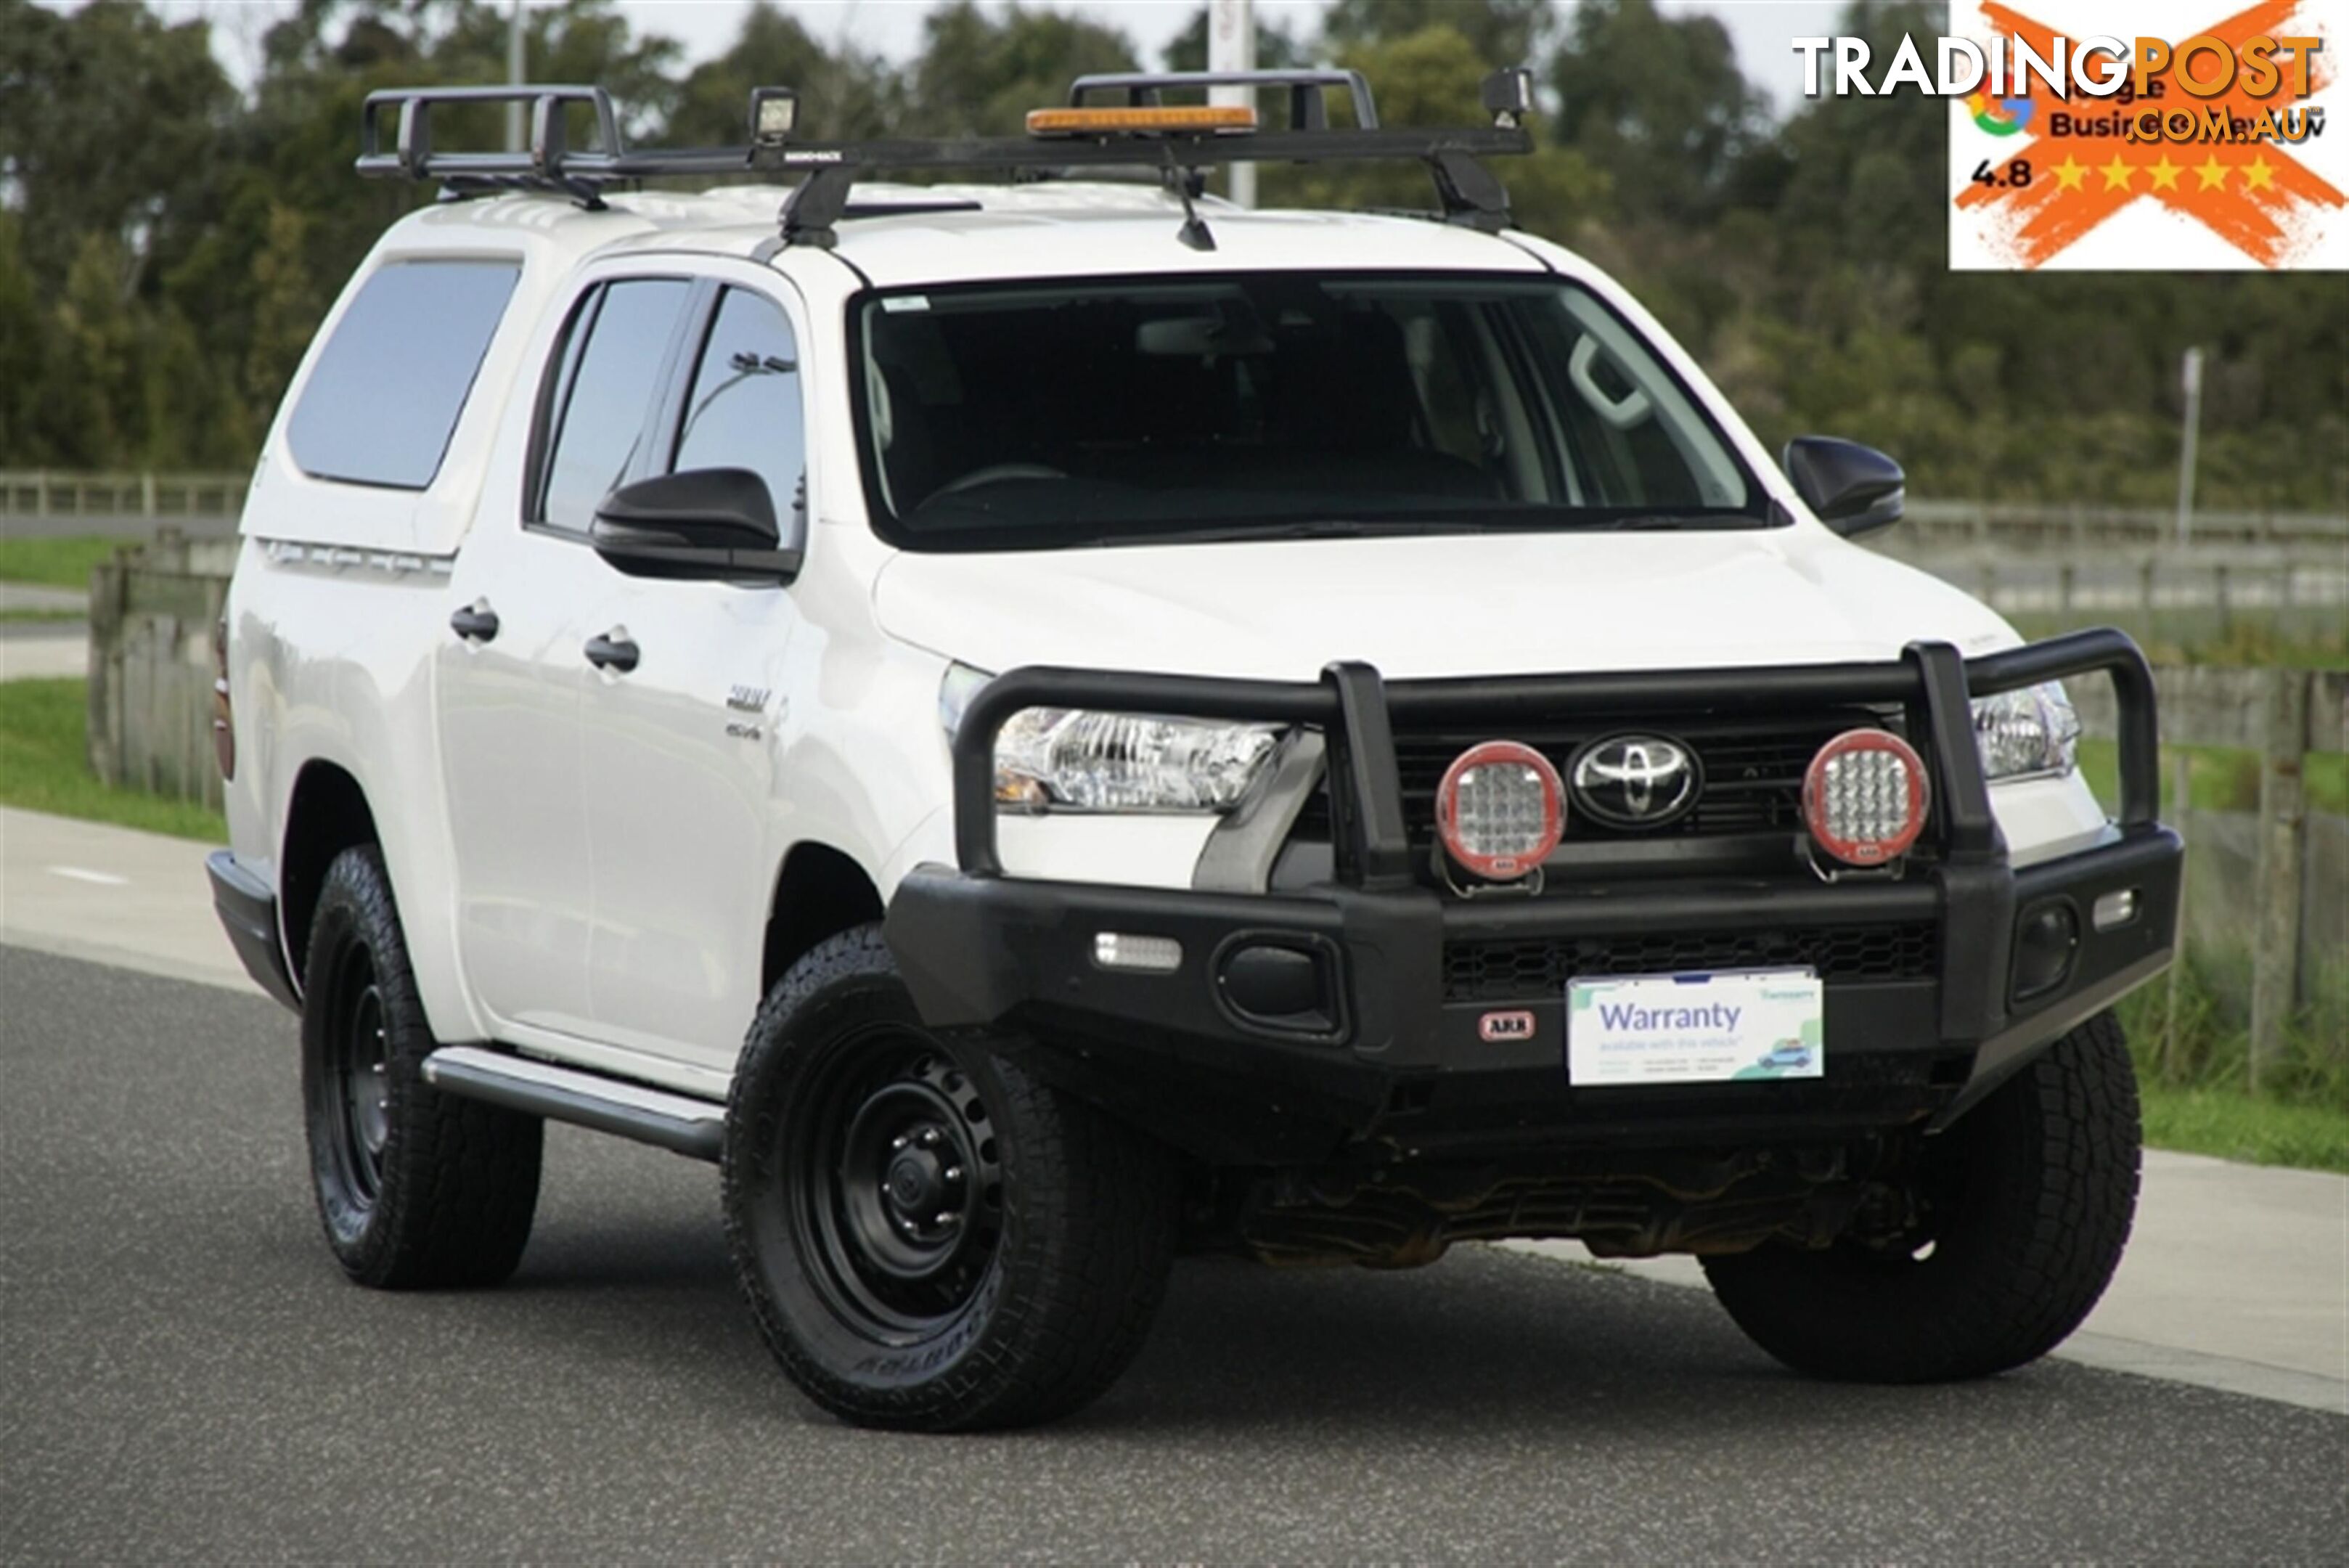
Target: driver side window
743, 410
608, 368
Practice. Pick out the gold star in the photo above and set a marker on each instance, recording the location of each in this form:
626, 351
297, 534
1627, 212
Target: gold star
2069, 174
2213, 173
2165, 174
2117, 173
2261, 175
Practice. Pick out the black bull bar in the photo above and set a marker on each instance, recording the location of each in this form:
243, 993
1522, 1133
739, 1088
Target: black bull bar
981, 950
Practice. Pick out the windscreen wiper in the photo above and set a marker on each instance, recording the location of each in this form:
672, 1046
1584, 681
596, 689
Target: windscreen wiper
1665, 522
1313, 528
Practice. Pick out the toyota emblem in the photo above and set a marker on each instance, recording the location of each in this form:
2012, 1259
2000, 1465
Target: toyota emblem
1635, 780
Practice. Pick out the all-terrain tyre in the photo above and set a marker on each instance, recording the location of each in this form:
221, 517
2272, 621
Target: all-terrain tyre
931, 1240
2023, 1209
417, 1190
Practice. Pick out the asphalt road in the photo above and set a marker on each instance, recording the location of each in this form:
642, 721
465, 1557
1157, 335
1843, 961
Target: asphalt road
187, 1376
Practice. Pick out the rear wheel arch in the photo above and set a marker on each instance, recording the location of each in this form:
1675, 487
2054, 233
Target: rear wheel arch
820, 892
325, 814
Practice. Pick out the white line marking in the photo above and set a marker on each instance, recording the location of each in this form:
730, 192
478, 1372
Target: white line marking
103, 878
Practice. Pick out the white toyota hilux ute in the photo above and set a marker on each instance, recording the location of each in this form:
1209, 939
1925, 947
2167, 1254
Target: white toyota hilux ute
1046, 725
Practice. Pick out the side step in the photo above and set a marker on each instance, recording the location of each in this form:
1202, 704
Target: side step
693, 1127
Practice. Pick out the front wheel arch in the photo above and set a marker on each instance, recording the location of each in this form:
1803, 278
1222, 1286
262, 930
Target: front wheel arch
820, 892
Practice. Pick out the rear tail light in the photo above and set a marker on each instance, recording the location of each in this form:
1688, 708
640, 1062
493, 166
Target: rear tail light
223, 726
1500, 809
1865, 797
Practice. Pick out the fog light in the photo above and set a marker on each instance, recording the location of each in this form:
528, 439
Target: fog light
1150, 955
1500, 809
1864, 797
2045, 940
2113, 909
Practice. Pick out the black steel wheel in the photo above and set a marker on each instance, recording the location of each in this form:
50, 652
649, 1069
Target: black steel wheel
415, 1188
356, 1066
898, 1183
930, 1239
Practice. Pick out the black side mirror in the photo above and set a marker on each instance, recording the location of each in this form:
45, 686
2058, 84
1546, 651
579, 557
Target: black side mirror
1854, 489
707, 523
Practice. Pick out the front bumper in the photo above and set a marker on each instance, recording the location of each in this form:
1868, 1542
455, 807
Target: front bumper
1431, 1027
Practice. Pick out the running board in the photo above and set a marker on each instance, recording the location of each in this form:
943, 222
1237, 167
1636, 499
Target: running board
696, 1128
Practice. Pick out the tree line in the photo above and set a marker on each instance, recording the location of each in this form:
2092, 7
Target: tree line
169, 238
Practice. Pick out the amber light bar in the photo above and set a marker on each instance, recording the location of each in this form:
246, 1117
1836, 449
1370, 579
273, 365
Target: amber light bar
1111, 122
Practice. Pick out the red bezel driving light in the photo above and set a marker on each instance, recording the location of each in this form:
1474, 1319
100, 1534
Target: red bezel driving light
1819, 807
1519, 859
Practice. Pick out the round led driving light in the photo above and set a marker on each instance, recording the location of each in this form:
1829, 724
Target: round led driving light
1865, 797
1500, 809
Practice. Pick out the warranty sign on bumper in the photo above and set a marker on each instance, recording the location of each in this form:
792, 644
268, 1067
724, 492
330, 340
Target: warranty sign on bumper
1695, 1028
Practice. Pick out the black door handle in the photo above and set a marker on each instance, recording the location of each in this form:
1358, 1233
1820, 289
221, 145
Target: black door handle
609, 653
475, 624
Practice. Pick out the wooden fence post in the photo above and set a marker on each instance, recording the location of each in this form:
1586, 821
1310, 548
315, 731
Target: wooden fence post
106, 613
2182, 790
2284, 830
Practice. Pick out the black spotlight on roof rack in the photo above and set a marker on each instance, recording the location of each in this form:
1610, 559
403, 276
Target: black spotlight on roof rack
774, 115
1182, 142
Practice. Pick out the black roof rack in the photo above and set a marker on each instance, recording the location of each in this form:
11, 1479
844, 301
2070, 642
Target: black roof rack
1468, 193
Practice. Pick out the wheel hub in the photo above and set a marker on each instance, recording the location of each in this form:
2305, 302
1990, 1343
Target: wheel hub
921, 1189
915, 1192
357, 1075
368, 1087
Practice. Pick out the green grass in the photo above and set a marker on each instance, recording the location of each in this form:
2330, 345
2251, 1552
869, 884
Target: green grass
2196, 1079
59, 563
43, 767
2232, 1124
11, 616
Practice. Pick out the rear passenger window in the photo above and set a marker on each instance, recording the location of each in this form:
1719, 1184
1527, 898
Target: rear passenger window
610, 372
383, 400
744, 409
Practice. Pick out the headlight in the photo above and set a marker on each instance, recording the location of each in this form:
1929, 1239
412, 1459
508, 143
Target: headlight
2026, 732
1072, 760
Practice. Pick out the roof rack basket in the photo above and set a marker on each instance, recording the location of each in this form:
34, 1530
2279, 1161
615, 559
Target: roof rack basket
1467, 193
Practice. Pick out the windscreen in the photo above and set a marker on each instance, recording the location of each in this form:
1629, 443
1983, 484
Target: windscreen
1138, 410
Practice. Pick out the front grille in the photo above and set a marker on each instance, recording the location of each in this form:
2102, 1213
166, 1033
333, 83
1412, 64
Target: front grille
1753, 772
1535, 968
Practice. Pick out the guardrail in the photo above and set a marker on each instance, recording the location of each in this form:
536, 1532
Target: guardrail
2160, 594
2042, 526
40, 492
